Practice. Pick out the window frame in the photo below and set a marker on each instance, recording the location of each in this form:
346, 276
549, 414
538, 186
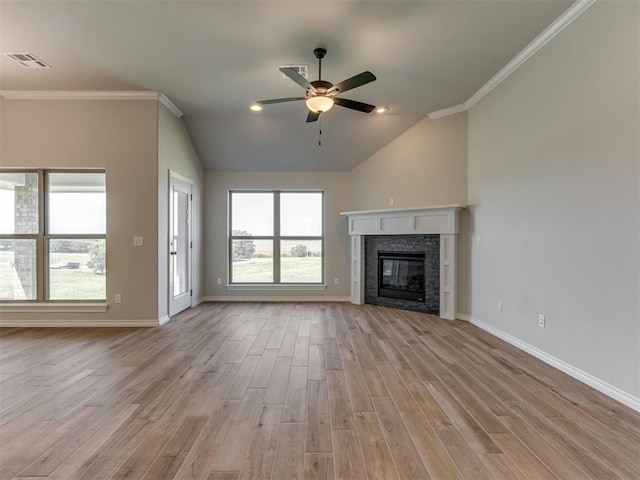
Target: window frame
43, 237
276, 238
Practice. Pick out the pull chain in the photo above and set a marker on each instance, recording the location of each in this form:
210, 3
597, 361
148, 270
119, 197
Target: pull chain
320, 131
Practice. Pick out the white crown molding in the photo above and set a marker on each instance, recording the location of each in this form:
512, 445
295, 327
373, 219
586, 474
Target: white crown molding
80, 94
166, 101
92, 95
559, 24
594, 382
445, 112
573, 12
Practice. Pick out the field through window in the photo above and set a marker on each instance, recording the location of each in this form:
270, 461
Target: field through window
276, 237
55, 219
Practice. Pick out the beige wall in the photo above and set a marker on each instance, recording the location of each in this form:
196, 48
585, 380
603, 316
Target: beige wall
553, 184
337, 199
121, 137
425, 166
176, 154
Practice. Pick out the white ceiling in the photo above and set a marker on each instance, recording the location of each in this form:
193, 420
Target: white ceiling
215, 58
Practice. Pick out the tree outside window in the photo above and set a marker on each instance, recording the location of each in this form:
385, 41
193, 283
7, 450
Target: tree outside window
56, 219
276, 237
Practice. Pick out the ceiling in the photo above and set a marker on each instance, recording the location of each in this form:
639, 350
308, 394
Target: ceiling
213, 59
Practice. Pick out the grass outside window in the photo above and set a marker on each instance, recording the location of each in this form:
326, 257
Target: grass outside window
276, 237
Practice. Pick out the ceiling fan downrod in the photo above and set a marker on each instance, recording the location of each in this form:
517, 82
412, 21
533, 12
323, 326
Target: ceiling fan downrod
320, 53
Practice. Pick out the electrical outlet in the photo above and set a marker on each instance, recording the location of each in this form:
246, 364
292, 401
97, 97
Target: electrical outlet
391, 202
499, 305
477, 239
336, 281
219, 281
118, 298
541, 321
137, 241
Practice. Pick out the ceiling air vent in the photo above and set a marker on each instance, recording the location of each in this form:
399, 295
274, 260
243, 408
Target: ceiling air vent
27, 60
301, 69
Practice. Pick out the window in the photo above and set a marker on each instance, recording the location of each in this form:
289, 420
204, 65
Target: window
52, 235
276, 237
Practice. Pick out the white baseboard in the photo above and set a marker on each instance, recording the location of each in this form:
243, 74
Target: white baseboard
464, 317
294, 298
196, 301
43, 322
603, 387
163, 320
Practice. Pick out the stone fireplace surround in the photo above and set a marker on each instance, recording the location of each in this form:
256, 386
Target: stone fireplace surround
427, 244
438, 220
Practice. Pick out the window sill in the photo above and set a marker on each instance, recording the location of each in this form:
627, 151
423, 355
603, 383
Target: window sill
53, 307
278, 288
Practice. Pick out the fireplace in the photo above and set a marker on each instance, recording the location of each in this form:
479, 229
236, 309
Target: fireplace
401, 275
402, 271
368, 228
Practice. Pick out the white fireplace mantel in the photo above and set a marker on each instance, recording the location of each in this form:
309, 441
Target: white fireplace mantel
440, 220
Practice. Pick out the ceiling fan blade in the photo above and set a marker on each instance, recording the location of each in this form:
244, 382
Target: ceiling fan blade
313, 116
353, 82
296, 77
279, 100
353, 105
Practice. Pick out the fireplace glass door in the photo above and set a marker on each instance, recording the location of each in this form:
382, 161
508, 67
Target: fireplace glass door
401, 275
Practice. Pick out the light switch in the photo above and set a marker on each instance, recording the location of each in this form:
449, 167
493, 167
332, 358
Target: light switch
137, 241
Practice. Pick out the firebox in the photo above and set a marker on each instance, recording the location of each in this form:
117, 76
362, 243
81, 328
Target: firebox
401, 275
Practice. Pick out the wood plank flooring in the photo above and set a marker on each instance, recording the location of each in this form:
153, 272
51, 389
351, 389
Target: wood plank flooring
231, 391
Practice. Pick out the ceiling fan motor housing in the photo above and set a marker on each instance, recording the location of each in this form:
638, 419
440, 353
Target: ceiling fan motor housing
321, 87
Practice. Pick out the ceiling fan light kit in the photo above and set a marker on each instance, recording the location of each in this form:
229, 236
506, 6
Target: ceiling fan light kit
322, 95
319, 103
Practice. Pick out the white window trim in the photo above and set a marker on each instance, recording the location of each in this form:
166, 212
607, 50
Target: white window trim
42, 303
279, 286
53, 307
276, 286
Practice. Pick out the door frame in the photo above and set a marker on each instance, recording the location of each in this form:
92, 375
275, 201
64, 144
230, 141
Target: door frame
174, 176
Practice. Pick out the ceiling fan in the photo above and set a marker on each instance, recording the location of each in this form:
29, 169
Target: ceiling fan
321, 95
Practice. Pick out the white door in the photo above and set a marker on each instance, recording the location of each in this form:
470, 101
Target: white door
180, 191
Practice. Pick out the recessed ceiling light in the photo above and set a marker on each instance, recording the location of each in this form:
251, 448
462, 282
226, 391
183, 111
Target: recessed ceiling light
255, 107
382, 109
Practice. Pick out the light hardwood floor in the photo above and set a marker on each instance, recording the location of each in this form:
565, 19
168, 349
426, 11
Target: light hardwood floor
313, 391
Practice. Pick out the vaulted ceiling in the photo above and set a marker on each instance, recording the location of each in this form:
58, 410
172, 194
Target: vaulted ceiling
213, 59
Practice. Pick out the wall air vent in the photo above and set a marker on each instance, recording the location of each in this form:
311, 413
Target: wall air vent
27, 60
301, 69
